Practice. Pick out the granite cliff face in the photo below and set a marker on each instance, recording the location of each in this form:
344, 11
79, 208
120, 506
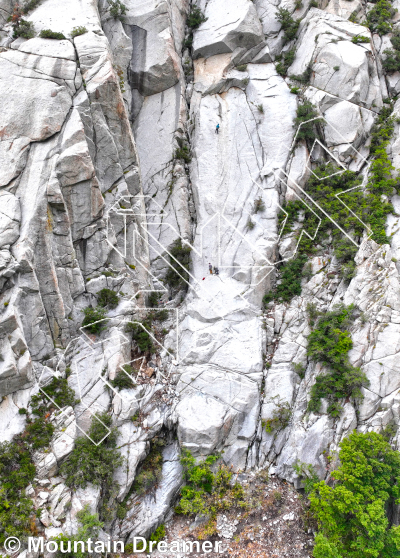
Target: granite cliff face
109, 157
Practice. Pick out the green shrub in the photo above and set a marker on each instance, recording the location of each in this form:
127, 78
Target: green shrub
183, 153
17, 470
358, 39
117, 9
195, 18
89, 527
48, 34
260, 108
206, 491
312, 313
382, 129
285, 61
107, 298
242, 67
352, 208
141, 336
307, 475
353, 16
188, 42
30, 5
379, 18
391, 62
329, 344
280, 417
150, 471
153, 299
395, 40
353, 514
123, 380
159, 315
300, 369
179, 259
60, 392
159, 534
345, 251
93, 315
305, 76
289, 25
290, 215
39, 433
76, 31
306, 123
259, 205
250, 224
94, 460
290, 286
389, 431
23, 28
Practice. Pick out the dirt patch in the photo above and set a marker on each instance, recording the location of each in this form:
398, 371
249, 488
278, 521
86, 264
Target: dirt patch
274, 525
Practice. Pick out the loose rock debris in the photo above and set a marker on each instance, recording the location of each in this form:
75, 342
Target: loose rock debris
275, 525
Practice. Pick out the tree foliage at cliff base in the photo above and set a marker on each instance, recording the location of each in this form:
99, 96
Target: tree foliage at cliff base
353, 514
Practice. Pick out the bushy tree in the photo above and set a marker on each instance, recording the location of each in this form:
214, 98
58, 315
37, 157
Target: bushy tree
353, 514
289, 25
107, 298
94, 457
329, 344
306, 123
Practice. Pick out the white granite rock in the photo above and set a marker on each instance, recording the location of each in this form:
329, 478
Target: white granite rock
241, 28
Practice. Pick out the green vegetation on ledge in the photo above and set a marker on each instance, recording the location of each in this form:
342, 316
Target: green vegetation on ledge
280, 416
49, 34
179, 259
306, 123
329, 344
290, 26
79, 30
284, 61
207, 491
17, 470
89, 527
117, 9
96, 462
150, 471
290, 281
107, 298
94, 319
379, 18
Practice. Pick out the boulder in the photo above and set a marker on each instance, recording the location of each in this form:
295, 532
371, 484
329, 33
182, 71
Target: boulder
241, 28
339, 67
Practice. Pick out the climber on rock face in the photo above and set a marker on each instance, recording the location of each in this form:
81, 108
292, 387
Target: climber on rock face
217, 129
210, 268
